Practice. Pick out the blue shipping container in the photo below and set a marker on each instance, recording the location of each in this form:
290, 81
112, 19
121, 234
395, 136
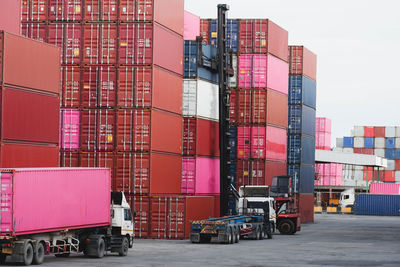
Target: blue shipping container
386, 205
369, 142
390, 142
397, 154
232, 34
389, 153
232, 173
348, 142
303, 177
190, 66
301, 149
302, 90
232, 141
301, 120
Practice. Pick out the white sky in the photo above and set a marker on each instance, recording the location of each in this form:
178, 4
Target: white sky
357, 43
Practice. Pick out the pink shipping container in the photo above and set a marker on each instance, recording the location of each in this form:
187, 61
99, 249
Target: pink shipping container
70, 125
257, 142
323, 125
323, 140
384, 188
276, 143
200, 175
10, 16
243, 142
26, 208
191, 26
65, 10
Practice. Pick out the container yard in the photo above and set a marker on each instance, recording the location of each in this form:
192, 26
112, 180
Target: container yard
139, 128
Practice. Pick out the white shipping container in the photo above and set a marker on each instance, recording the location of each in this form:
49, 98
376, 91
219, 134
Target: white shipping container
348, 150
390, 131
380, 152
379, 142
358, 175
397, 176
337, 149
358, 131
390, 165
397, 131
339, 142
397, 142
358, 168
232, 81
200, 98
360, 183
349, 182
359, 142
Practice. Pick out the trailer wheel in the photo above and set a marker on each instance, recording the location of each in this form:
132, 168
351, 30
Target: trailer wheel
124, 247
101, 247
229, 236
258, 233
38, 257
28, 254
237, 234
286, 227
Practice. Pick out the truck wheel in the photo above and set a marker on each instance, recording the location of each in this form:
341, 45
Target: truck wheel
286, 227
28, 254
229, 236
3, 258
237, 234
258, 233
38, 257
124, 247
101, 247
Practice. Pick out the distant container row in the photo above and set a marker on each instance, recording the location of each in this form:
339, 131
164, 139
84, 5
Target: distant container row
376, 131
368, 142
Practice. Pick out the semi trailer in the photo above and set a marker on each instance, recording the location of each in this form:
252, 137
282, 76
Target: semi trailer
61, 211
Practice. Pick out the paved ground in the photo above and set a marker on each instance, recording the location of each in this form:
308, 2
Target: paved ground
333, 240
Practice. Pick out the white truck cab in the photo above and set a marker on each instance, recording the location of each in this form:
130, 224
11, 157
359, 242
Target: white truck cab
121, 216
347, 198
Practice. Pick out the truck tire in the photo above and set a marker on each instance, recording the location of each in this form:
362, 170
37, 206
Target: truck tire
101, 247
38, 256
237, 234
258, 233
286, 227
229, 235
124, 247
28, 254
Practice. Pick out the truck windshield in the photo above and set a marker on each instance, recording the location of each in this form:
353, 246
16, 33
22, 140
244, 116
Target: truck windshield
256, 191
127, 215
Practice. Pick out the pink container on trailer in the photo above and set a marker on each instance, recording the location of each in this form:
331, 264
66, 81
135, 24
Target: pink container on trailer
243, 142
384, 188
53, 199
70, 125
200, 175
191, 27
257, 142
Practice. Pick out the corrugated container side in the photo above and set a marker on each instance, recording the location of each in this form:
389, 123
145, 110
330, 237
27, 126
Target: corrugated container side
205, 30
198, 208
303, 62
105, 10
10, 16
302, 90
173, 19
379, 131
276, 143
306, 205
69, 130
384, 189
277, 109
301, 149
164, 137
277, 74
384, 205
141, 205
191, 26
250, 172
70, 10
69, 159
301, 120
162, 166
274, 168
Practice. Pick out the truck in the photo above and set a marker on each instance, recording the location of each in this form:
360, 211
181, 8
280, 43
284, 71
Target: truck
60, 211
347, 198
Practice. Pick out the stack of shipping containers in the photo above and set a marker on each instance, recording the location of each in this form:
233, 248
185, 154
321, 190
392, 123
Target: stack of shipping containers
301, 126
29, 86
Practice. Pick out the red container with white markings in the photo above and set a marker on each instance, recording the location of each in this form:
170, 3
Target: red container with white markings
141, 205
97, 130
132, 174
36, 31
101, 10
65, 10
250, 172
34, 10
99, 44
98, 87
70, 86
68, 38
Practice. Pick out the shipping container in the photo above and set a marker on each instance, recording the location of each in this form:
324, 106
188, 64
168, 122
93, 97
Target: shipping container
277, 109
384, 189
99, 44
358, 131
232, 81
301, 120
244, 105
379, 131
205, 30
97, 130
69, 159
369, 142
323, 125
306, 205
302, 62
348, 142
258, 142
34, 10
98, 87
366, 151
34, 30
232, 141
379, 142
191, 26
71, 86
29, 116
141, 205
191, 67
144, 130
200, 175
276, 141
69, 129
389, 153
25, 213
303, 176
68, 38
28, 155
390, 142
274, 168
38, 62
384, 205
263, 36
100, 10
10, 16
232, 34
132, 172
243, 142
250, 172
390, 131
233, 109
358, 142
200, 137
301, 149
369, 131
65, 10
302, 90
97, 159
323, 140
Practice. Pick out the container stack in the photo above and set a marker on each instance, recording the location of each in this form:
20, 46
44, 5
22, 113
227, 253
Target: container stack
301, 126
382, 141
323, 132
328, 174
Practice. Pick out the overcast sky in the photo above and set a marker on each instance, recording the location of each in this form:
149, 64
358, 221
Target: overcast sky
357, 43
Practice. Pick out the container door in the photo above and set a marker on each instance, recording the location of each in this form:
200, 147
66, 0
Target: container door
6, 202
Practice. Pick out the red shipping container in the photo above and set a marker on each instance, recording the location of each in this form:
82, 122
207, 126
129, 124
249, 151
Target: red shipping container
397, 164
373, 174
65, 10
302, 62
132, 173
243, 142
277, 109
10, 16
97, 159
140, 205
68, 38
135, 44
38, 62
173, 19
99, 87
101, 10
368, 131
133, 130
306, 206
232, 107
36, 31
389, 176
276, 143
244, 107
379, 131
205, 30
34, 10
164, 137
367, 151
274, 168
29, 116
100, 44
21, 155
165, 173
257, 142
69, 159
250, 172
167, 90
198, 208
200, 137
167, 217
379, 175
97, 130
259, 107
70, 86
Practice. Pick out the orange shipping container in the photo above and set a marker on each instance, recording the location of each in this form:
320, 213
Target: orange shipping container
277, 109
